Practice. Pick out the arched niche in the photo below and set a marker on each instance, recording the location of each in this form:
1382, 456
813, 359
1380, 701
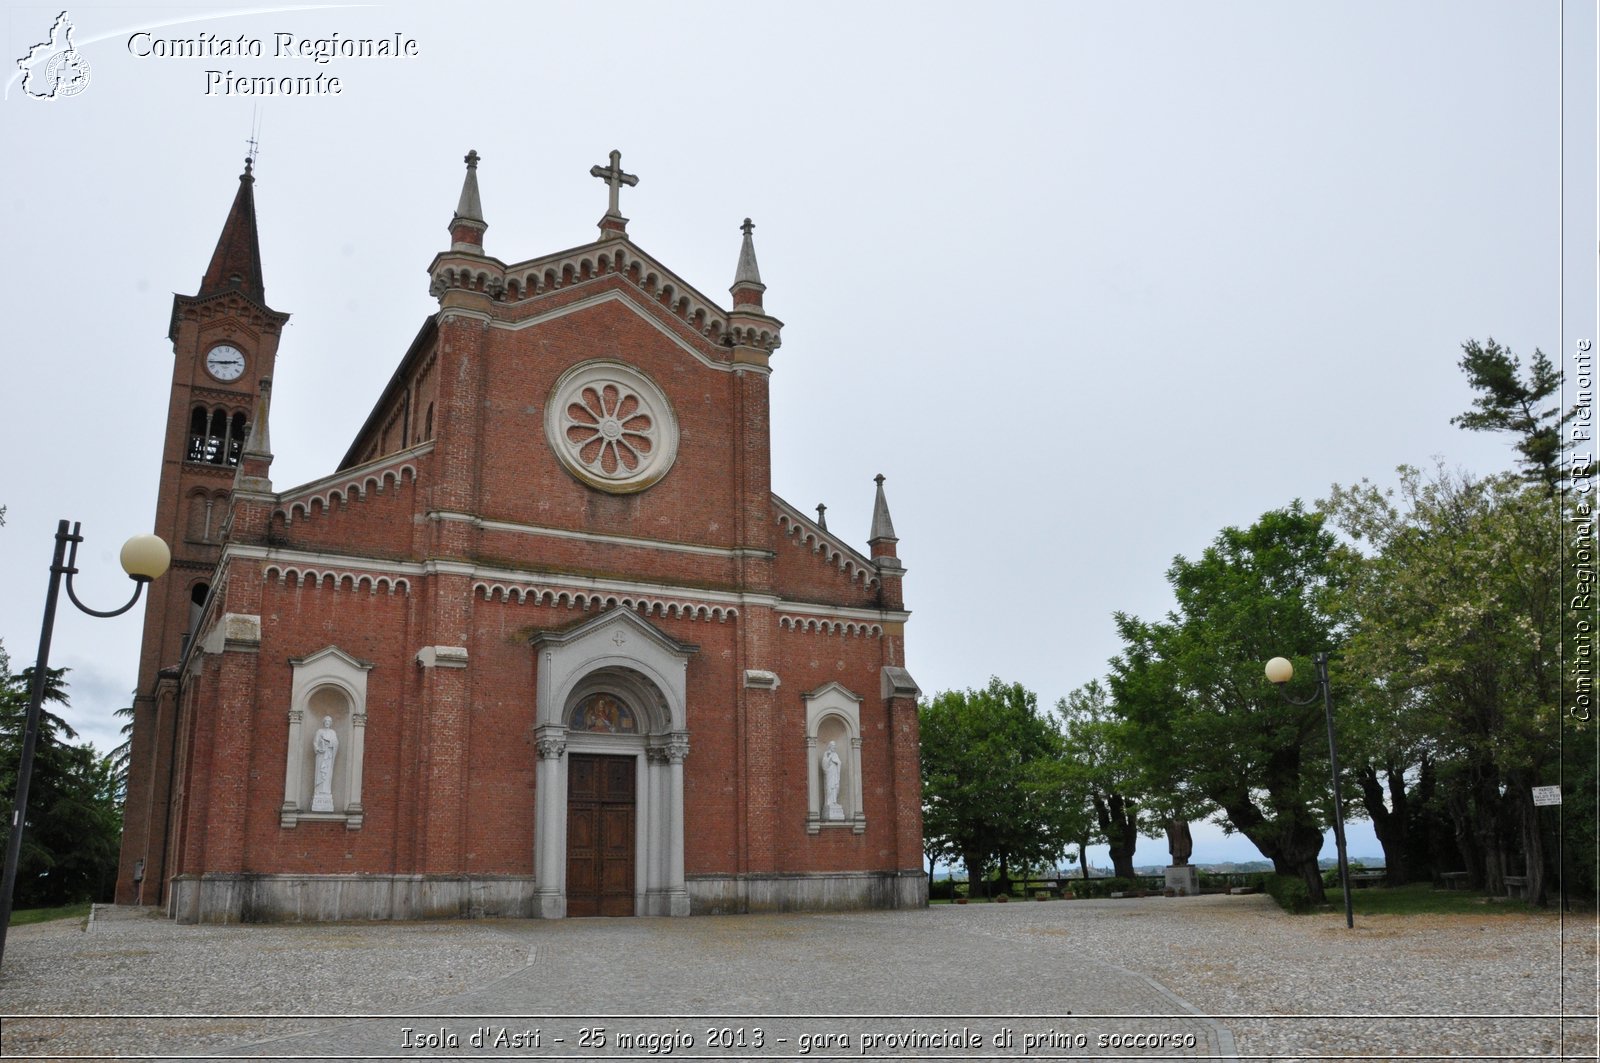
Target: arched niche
328, 697
833, 728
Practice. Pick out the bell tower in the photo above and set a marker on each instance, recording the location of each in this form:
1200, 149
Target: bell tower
225, 344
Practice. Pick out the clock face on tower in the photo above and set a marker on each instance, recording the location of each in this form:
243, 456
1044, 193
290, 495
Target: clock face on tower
225, 362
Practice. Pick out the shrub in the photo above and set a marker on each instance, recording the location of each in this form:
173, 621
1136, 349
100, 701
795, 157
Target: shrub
1330, 877
1290, 893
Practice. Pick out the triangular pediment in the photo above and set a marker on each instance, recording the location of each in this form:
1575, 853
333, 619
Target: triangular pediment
635, 303
540, 289
833, 687
602, 257
607, 626
331, 655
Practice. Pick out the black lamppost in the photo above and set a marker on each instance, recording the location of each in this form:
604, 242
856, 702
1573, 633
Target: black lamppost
1279, 672
144, 558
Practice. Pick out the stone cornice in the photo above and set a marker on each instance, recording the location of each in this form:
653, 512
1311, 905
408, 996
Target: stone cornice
844, 612
616, 257
599, 537
231, 301
620, 296
492, 583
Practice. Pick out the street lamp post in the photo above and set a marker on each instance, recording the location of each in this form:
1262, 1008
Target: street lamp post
1279, 672
144, 558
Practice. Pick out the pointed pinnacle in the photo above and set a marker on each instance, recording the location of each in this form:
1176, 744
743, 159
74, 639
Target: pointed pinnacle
470, 207
748, 272
882, 526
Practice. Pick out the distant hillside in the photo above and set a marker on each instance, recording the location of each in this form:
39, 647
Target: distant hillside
1251, 866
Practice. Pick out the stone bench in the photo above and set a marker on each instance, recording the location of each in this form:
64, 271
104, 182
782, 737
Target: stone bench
1517, 886
1453, 880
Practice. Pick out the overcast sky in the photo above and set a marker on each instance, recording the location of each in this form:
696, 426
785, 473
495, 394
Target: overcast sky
1086, 282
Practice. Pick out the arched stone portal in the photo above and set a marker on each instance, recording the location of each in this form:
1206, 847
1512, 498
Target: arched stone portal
612, 687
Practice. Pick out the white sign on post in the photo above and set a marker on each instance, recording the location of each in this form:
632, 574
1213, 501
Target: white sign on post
1546, 795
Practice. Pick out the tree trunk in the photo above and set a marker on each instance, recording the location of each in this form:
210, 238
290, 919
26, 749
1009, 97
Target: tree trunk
1083, 858
1388, 824
1526, 813
1311, 874
1118, 819
1459, 808
973, 862
1489, 828
1428, 850
1291, 848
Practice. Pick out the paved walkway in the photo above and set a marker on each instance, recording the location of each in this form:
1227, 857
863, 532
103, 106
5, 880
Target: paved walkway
1061, 980
950, 982
884, 985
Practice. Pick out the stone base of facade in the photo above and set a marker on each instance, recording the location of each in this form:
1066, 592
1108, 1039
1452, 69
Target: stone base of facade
221, 898
247, 898
827, 891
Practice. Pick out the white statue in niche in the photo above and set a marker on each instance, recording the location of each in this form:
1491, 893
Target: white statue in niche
831, 809
326, 746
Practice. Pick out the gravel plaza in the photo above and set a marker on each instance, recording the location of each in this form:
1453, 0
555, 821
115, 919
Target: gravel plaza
1206, 977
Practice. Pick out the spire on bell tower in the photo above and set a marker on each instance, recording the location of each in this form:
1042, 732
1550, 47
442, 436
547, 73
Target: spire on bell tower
467, 226
236, 263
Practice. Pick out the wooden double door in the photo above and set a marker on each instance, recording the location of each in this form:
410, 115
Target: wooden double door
601, 803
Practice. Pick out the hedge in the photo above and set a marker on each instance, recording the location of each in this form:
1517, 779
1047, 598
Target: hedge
1290, 892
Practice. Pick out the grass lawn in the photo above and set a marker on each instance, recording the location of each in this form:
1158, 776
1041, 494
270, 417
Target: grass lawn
45, 915
1421, 898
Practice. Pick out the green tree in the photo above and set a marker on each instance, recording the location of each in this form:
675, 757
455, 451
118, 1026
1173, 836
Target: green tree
995, 788
1508, 403
1192, 686
1105, 774
69, 846
1127, 800
122, 756
1460, 604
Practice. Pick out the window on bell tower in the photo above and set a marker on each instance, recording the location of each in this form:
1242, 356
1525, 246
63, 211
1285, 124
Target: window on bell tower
216, 436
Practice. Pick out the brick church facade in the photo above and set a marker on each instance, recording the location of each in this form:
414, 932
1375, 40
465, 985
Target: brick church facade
545, 643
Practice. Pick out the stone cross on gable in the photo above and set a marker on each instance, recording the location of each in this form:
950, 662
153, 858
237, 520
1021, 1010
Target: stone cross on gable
614, 177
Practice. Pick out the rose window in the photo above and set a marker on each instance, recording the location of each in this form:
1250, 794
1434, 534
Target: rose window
609, 430
611, 427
